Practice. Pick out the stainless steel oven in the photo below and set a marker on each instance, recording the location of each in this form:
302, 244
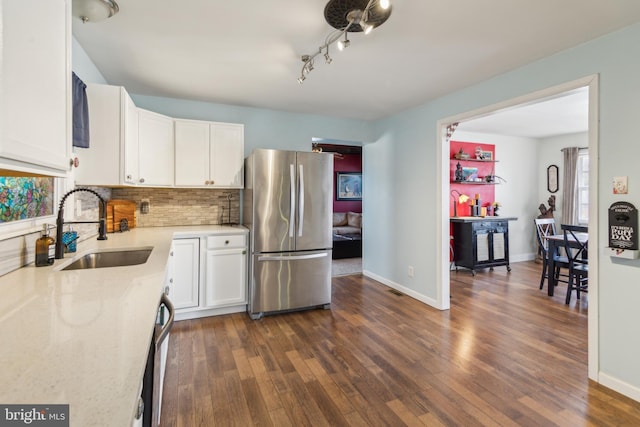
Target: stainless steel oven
156, 363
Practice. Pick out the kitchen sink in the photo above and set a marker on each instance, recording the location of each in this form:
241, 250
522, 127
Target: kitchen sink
106, 259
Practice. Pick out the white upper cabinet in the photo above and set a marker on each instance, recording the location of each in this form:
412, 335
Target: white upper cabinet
209, 154
35, 86
192, 153
112, 157
227, 155
156, 149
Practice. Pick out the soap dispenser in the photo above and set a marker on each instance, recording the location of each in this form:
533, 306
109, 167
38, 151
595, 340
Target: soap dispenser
45, 248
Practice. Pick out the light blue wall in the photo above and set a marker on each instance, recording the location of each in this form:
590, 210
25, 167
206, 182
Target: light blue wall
408, 161
83, 66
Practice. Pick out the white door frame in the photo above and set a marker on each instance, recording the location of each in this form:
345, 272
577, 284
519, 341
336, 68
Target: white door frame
442, 223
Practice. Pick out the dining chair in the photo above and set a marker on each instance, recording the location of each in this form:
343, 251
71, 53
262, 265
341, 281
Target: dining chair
547, 227
577, 254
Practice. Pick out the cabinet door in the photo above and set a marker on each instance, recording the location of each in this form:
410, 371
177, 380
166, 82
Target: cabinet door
112, 158
131, 147
227, 155
36, 86
186, 276
192, 153
226, 277
156, 149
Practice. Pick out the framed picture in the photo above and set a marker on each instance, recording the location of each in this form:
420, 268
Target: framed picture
348, 186
469, 174
487, 155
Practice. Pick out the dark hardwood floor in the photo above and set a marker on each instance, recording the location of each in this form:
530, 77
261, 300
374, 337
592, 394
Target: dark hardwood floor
505, 354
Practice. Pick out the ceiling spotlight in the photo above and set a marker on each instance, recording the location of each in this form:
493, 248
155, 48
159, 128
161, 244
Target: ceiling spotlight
343, 44
308, 67
347, 16
327, 58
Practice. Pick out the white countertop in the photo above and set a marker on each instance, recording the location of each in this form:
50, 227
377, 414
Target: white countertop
81, 337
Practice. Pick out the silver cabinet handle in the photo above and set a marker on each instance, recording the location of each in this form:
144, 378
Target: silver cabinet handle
291, 258
141, 180
292, 190
139, 409
167, 327
301, 202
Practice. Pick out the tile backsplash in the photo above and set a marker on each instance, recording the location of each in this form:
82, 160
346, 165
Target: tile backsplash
167, 207
188, 206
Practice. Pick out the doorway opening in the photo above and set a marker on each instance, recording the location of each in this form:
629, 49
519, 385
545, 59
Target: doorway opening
347, 204
444, 132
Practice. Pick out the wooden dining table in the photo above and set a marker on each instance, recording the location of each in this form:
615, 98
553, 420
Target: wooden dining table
557, 241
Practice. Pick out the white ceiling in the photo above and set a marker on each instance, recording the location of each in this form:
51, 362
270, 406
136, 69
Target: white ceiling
248, 52
559, 115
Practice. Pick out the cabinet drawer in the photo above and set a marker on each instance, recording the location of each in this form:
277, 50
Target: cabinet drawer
490, 225
233, 241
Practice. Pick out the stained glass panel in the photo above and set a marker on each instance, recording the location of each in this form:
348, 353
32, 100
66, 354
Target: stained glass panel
25, 198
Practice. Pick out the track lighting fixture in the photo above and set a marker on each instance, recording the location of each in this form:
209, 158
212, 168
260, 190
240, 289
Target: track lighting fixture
347, 16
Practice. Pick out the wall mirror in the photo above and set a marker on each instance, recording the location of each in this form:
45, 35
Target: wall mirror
552, 179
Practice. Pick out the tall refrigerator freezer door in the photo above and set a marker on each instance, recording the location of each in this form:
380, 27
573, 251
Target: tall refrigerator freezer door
274, 200
314, 201
290, 281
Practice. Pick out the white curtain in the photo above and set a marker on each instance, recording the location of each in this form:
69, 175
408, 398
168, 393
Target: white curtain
569, 186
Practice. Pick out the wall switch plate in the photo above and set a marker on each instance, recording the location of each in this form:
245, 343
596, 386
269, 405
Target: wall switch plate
410, 271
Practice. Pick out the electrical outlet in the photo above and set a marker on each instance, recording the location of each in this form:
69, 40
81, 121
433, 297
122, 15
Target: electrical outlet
145, 206
410, 271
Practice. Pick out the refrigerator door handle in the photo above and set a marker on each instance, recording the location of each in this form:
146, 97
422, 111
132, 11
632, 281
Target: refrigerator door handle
301, 202
292, 190
291, 258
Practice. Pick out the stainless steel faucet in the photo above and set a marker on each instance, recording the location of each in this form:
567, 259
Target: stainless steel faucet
102, 228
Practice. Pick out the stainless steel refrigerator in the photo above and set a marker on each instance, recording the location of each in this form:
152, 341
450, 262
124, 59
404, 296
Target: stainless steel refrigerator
287, 207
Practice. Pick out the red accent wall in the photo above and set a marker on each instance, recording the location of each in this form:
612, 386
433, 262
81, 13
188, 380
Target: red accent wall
486, 192
348, 163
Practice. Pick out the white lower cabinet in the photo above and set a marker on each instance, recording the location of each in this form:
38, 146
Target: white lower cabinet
185, 282
226, 276
209, 275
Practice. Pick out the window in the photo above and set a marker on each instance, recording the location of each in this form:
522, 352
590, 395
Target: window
25, 198
25, 204
583, 187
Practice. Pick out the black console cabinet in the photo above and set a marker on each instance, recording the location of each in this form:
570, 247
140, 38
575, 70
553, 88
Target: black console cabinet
481, 242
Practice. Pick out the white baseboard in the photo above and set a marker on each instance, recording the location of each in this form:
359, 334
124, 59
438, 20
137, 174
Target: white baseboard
522, 257
620, 386
188, 314
409, 292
